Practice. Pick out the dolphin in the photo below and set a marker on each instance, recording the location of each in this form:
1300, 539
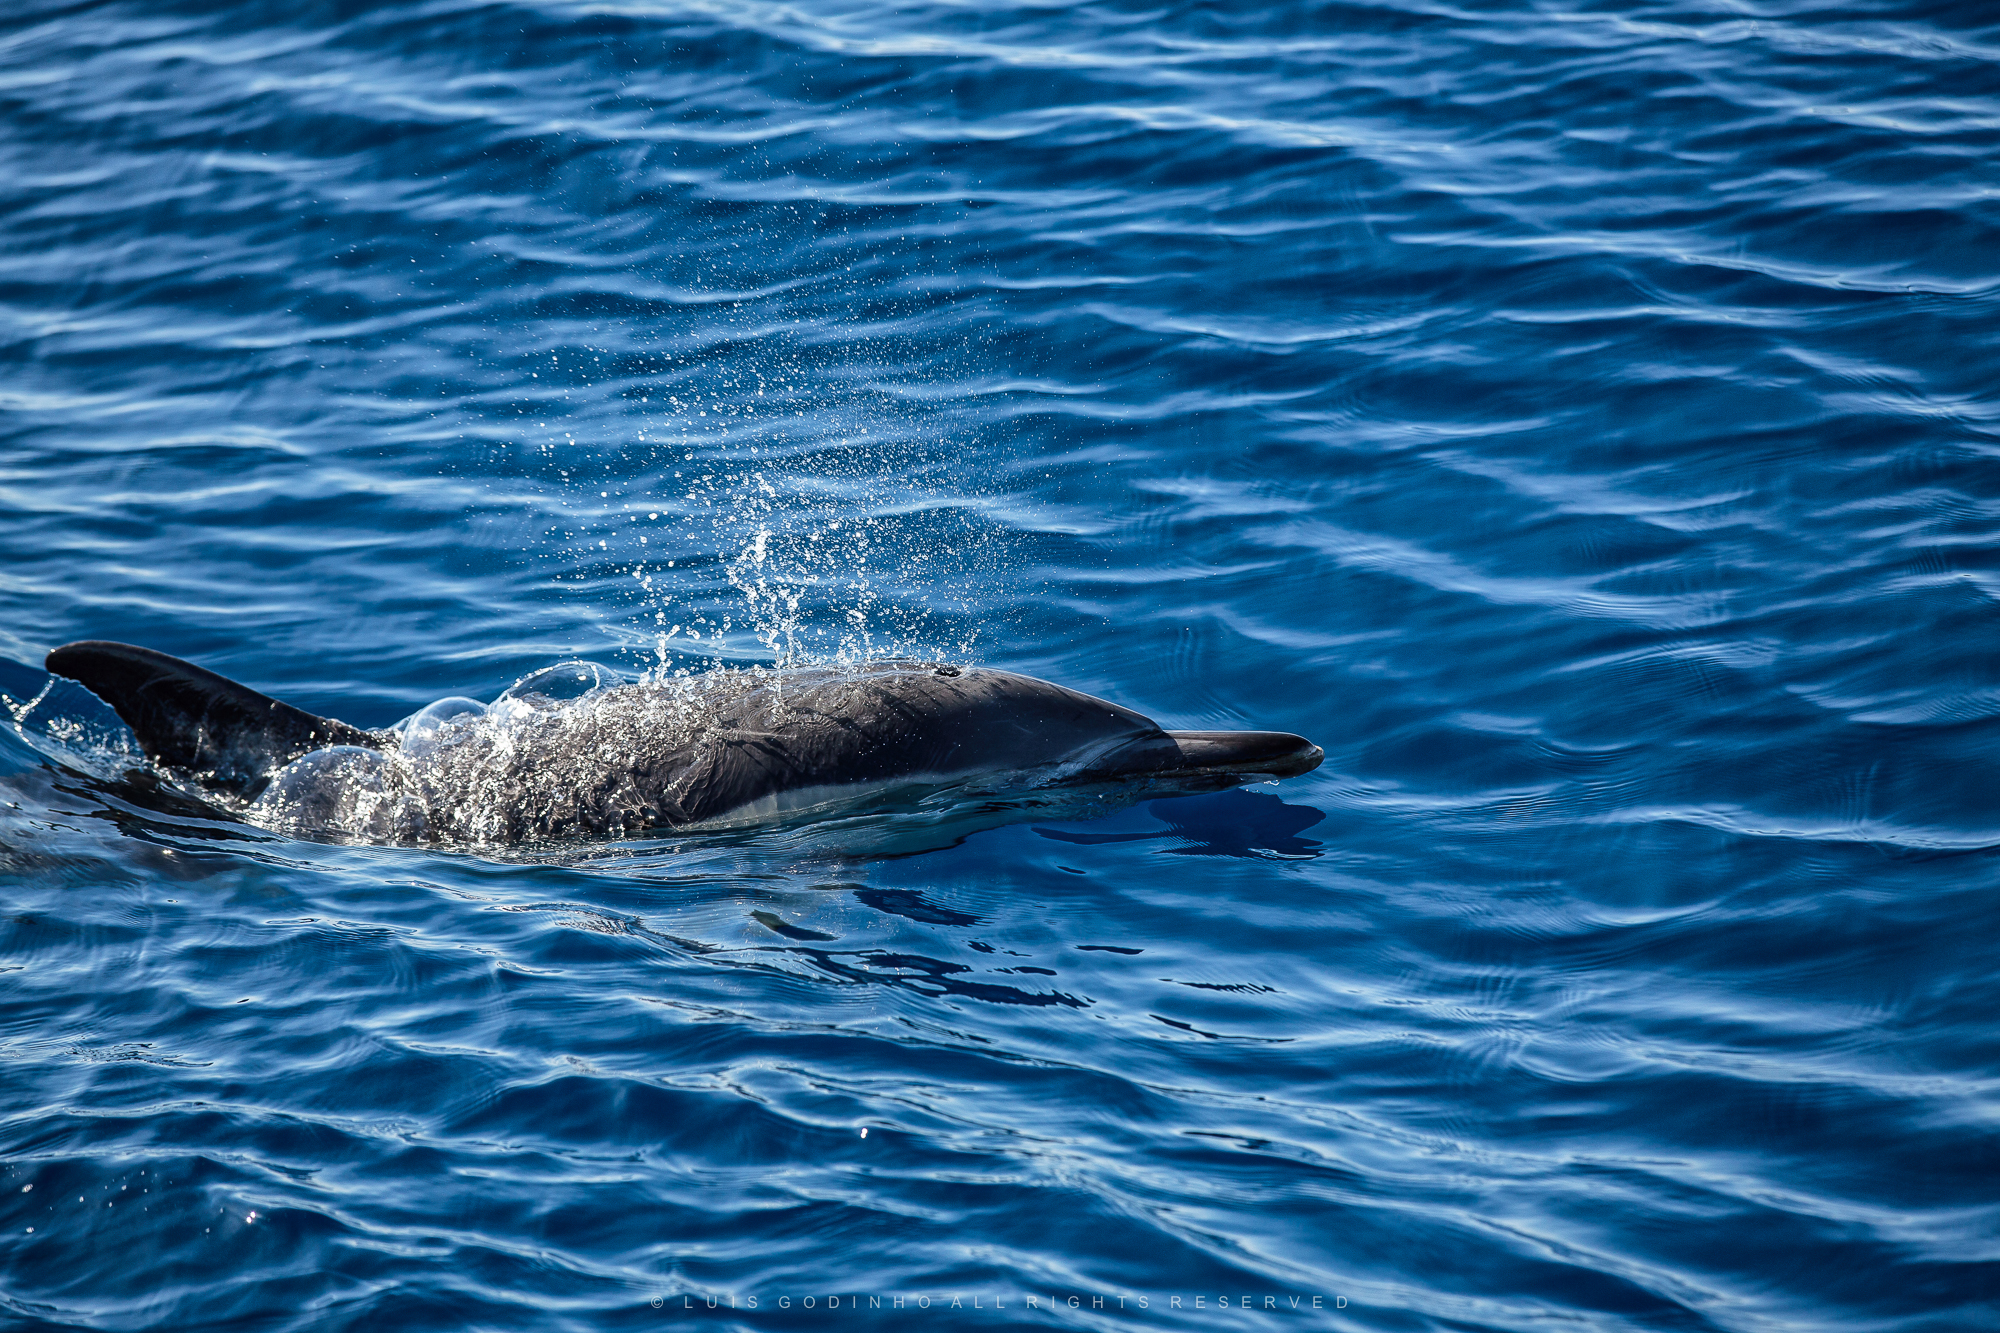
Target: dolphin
573, 751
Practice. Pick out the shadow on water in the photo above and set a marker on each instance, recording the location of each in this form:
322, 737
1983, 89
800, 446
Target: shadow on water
912, 905
1230, 823
926, 976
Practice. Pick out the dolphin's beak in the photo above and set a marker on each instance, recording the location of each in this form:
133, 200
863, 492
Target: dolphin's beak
1277, 754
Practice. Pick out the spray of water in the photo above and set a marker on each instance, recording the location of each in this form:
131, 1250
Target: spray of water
750, 516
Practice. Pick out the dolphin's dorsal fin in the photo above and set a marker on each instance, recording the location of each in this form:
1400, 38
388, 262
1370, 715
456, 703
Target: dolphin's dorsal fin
189, 719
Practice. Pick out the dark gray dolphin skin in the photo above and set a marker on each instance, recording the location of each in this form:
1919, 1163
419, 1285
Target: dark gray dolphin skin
194, 721
732, 746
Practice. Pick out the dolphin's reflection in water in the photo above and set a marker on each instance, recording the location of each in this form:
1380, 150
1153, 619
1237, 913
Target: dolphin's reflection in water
1230, 823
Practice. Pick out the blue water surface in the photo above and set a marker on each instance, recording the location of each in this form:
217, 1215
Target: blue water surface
1582, 420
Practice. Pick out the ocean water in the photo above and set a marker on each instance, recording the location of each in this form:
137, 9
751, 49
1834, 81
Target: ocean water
1583, 421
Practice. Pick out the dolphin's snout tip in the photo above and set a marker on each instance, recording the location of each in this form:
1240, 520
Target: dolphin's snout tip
1278, 753
1242, 756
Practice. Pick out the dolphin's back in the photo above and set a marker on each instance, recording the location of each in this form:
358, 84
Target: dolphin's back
669, 753
896, 721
